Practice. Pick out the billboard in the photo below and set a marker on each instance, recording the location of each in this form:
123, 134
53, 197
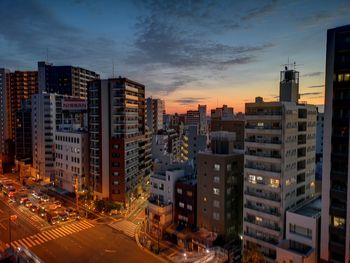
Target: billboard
74, 105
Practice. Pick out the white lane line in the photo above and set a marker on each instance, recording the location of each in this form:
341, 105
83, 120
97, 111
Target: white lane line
25, 241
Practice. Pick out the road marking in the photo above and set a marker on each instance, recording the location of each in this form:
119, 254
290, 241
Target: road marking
41, 236
57, 232
29, 244
2, 226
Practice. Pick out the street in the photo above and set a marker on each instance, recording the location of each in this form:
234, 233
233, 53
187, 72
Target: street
97, 244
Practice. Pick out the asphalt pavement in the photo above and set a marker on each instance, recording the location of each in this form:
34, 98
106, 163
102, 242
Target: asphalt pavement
98, 244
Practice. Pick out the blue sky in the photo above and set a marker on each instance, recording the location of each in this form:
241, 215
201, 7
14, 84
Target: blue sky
187, 52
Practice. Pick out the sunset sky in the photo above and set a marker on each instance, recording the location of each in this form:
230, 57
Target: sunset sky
186, 52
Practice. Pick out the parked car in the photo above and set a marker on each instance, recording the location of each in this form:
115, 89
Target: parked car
42, 212
45, 198
63, 215
52, 217
72, 214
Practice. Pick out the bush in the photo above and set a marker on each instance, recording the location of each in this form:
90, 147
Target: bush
107, 206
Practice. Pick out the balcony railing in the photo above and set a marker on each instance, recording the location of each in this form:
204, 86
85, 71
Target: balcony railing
269, 155
262, 224
249, 126
266, 238
263, 141
263, 195
263, 168
263, 210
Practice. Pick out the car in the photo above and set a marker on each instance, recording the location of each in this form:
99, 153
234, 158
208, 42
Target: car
72, 213
37, 195
23, 200
45, 198
28, 204
42, 212
63, 215
34, 208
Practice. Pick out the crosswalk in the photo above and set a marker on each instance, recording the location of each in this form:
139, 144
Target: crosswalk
52, 234
125, 226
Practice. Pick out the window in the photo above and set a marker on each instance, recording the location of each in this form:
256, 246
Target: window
229, 167
179, 191
258, 219
216, 216
252, 179
216, 203
204, 199
216, 179
181, 204
189, 193
338, 222
274, 183
216, 191
189, 207
216, 167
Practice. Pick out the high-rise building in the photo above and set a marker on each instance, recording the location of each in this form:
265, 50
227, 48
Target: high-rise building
155, 112
203, 123
192, 118
220, 186
4, 115
120, 145
279, 167
65, 80
223, 119
23, 141
335, 235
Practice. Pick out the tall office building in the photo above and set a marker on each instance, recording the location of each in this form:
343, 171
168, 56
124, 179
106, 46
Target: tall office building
119, 143
65, 80
279, 165
203, 123
23, 141
220, 187
155, 110
192, 118
335, 235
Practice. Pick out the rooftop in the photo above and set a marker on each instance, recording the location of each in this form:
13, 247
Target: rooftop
310, 209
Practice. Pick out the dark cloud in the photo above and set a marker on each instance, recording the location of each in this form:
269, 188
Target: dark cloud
171, 84
32, 28
305, 94
260, 10
189, 100
315, 86
312, 74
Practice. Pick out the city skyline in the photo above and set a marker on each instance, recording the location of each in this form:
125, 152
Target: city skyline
210, 47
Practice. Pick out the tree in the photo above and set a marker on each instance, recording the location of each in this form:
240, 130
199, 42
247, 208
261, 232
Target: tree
252, 255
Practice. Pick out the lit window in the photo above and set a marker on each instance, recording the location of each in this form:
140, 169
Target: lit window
179, 191
182, 205
347, 77
340, 77
216, 191
252, 179
216, 167
274, 183
229, 167
260, 124
287, 182
259, 179
189, 193
189, 207
204, 199
258, 219
338, 222
216, 179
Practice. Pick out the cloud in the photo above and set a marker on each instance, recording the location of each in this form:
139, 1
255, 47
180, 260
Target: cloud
312, 74
170, 85
315, 86
260, 11
189, 100
305, 94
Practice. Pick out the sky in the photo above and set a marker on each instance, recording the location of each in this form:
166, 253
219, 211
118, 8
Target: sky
185, 52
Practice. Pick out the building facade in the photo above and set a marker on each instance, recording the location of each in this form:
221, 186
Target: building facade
23, 141
219, 187
120, 145
155, 111
335, 235
65, 80
279, 168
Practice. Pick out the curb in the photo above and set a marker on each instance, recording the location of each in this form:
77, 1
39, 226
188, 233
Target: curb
137, 230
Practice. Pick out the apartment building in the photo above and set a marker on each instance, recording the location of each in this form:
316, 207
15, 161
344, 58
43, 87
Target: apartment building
155, 112
279, 168
335, 235
23, 142
120, 145
219, 187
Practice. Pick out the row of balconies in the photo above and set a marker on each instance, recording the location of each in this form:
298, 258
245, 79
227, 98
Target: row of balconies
262, 224
265, 195
268, 211
262, 237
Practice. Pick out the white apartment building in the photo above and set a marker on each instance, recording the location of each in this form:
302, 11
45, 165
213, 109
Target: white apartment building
280, 142
71, 159
163, 185
43, 128
301, 244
